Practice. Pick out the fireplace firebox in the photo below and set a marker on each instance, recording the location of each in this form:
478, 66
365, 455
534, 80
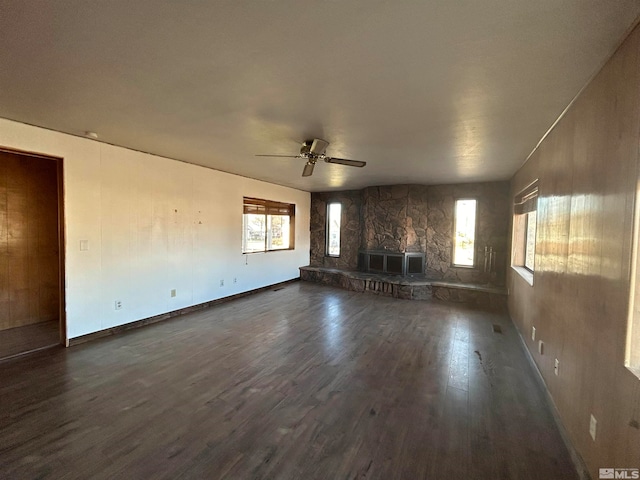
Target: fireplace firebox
392, 263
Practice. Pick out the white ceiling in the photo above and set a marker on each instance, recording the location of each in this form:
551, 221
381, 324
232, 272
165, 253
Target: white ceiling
425, 91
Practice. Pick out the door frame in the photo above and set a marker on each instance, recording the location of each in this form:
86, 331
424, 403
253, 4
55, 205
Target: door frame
64, 340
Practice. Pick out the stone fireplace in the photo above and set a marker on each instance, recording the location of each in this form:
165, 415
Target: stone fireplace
389, 230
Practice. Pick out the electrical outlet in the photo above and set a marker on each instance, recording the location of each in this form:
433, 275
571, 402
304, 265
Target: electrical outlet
533, 334
593, 424
556, 367
173, 292
84, 245
235, 280
118, 305
541, 347
222, 283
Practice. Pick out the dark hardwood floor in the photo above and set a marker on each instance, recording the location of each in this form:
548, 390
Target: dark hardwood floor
19, 340
307, 382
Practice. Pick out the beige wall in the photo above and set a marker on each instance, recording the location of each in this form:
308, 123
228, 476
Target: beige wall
588, 171
138, 226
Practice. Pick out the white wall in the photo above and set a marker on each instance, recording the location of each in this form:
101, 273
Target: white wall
154, 224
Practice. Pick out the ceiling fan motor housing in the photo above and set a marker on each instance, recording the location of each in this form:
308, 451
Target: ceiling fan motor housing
306, 147
315, 147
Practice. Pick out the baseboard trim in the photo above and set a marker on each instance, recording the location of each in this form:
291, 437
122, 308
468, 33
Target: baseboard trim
175, 313
576, 458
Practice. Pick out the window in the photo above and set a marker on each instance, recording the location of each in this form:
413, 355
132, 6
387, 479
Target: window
334, 213
530, 243
632, 357
465, 233
524, 231
267, 226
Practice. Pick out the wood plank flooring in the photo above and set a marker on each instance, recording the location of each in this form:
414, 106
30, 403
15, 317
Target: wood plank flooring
307, 382
18, 340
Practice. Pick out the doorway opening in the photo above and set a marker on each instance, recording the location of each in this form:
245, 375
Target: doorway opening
31, 253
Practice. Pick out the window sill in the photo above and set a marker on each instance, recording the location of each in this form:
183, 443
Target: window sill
635, 371
524, 273
467, 267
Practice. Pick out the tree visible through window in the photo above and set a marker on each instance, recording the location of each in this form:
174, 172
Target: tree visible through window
267, 226
530, 244
465, 232
334, 212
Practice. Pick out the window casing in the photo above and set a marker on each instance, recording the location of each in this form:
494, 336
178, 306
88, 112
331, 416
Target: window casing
334, 217
267, 226
524, 229
464, 235
632, 354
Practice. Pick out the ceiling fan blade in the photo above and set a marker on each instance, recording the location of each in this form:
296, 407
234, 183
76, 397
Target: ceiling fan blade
318, 146
344, 161
308, 169
280, 156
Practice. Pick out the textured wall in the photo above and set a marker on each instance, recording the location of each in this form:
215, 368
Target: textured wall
587, 171
349, 231
395, 218
415, 218
492, 229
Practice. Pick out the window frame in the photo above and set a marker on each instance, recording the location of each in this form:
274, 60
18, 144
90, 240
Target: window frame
268, 208
326, 231
475, 233
632, 347
524, 203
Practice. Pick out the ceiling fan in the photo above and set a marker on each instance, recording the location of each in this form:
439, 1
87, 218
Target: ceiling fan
312, 151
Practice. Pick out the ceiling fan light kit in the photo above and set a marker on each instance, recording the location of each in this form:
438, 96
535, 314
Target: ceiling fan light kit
314, 150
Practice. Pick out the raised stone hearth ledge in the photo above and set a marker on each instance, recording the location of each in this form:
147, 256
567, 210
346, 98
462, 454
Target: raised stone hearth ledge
408, 288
